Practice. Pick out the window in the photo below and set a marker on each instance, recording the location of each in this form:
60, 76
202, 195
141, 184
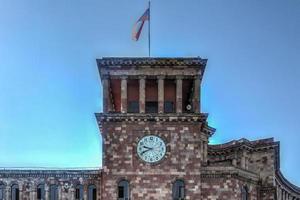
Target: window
92, 192
15, 192
178, 190
133, 107
2, 189
169, 107
41, 192
79, 192
123, 190
245, 193
133, 95
53, 192
151, 107
151, 98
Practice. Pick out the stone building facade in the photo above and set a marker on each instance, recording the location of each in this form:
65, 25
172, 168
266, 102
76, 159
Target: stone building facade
155, 145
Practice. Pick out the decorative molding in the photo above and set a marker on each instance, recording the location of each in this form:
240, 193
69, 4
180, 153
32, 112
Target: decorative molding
12, 173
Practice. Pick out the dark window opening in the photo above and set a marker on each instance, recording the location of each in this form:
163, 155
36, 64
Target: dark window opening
79, 192
133, 95
187, 95
92, 192
133, 107
151, 99
151, 107
15, 192
40, 192
169, 107
170, 96
245, 193
178, 190
123, 190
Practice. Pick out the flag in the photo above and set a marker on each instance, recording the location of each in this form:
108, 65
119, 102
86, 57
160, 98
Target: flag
138, 26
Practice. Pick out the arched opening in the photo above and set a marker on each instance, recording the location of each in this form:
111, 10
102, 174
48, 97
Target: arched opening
151, 100
92, 192
2, 191
123, 190
245, 194
53, 192
40, 192
178, 190
15, 192
79, 192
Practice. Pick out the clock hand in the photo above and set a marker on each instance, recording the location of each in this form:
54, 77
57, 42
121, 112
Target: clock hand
146, 151
147, 147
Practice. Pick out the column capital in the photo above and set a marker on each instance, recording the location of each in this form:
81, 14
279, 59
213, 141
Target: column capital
161, 77
124, 77
105, 77
142, 77
179, 77
197, 77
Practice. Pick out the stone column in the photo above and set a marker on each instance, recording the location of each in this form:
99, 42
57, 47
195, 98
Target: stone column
33, 194
72, 193
202, 150
21, 192
205, 151
196, 98
124, 94
243, 160
160, 94
179, 94
85, 192
46, 192
8, 191
106, 94
142, 93
60, 192
278, 192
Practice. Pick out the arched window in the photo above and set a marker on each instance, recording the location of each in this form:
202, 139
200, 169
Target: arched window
40, 192
178, 190
123, 190
53, 192
92, 192
245, 193
15, 192
2, 191
79, 192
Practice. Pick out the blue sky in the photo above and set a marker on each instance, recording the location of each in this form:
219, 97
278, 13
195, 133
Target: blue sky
50, 88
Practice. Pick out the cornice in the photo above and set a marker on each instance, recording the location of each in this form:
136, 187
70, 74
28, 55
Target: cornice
12, 173
229, 172
282, 181
151, 61
155, 117
243, 144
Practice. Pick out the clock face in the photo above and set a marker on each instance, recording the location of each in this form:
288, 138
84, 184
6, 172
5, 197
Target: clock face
151, 148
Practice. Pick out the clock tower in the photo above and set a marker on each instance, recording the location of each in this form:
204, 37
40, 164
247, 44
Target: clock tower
155, 138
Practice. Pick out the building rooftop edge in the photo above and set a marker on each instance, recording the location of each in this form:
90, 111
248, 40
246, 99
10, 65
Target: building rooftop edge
152, 61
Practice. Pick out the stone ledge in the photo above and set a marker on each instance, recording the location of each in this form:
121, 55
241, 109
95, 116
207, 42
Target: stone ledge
15, 173
174, 117
151, 61
229, 172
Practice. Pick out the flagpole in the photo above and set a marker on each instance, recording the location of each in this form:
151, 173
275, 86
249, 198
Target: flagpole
149, 38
